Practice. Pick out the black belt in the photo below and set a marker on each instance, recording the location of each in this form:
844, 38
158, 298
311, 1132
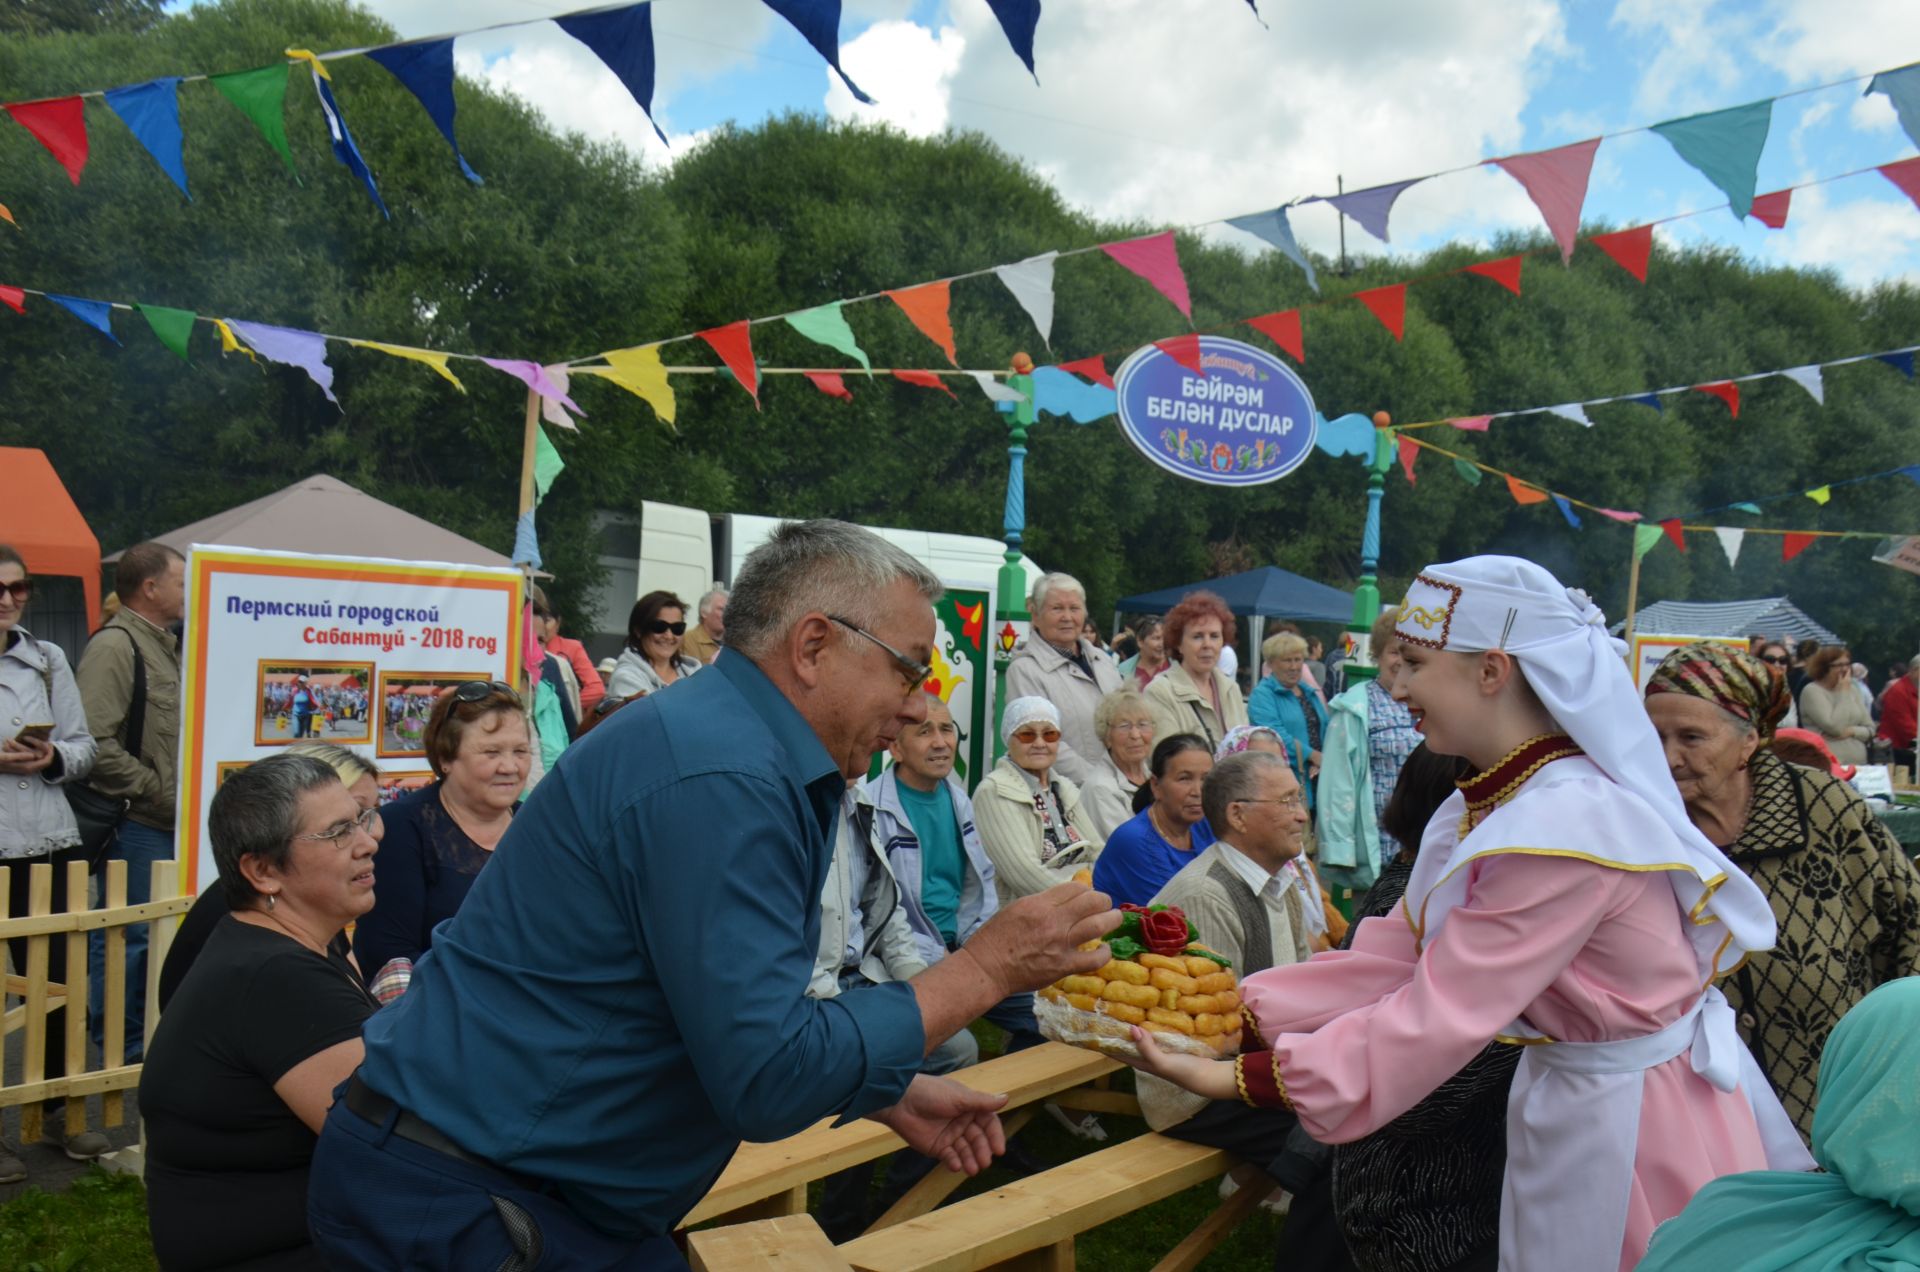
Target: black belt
375, 1107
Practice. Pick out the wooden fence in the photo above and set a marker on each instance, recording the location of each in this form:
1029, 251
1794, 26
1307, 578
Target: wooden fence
31, 995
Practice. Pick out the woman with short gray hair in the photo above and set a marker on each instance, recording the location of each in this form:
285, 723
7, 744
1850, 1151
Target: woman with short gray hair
1058, 663
1124, 724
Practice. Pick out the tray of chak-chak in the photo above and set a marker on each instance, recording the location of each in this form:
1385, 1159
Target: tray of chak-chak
1159, 978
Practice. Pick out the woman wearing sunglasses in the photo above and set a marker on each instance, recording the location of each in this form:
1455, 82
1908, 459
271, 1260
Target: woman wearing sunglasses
652, 659
1028, 816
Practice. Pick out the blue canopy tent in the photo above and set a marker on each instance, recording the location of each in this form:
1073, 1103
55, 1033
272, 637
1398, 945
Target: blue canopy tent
1268, 592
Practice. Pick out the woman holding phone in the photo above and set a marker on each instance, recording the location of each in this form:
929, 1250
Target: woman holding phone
46, 743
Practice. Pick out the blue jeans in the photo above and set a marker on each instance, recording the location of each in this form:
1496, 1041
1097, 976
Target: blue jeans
139, 846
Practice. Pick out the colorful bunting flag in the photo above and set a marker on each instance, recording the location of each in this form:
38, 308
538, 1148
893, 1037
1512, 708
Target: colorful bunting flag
734, 344
1730, 538
1901, 361
547, 464
531, 374
1771, 209
926, 307
1504, 272
426, 357
1724, 146
174, 327
1912, 473
344, 148
1616, 515
1905, 174
1372, 206
1556, 181
926, 380
261, 95
1018, 18
229, 344
1523, 493
1273, 227
1644, 537
1284, 330
639, 372
526, 551
1793, 544
1726, 390
1094, 368
623, 40
1389, 305
551, 405
829, 383
1057, 393
14, 298
1820, 494
1902, 88
6, 214
825, 324
818, 22
1468, 473
306, 350
1747, 507
1671, 528
1630, 249
995, 390
425, 68
1649, 399
1575, 411
1156, 259
95, 313
1810, 379
1183, 349
1566, 510
59, 124
1409, 451
1471, 423
1031, 282
151, 111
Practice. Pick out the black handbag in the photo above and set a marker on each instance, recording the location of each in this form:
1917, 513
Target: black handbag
98, 815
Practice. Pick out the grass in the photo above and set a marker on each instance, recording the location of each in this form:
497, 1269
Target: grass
98, 1225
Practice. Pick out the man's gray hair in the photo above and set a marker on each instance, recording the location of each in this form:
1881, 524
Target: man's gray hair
807, 566
1047, 584
708, 597
257, 812
1913, 663
1235, 779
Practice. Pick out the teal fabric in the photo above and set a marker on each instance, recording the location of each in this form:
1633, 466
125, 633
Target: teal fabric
1282, 712
943, 867
551, 724
1863, 1215
1349, 833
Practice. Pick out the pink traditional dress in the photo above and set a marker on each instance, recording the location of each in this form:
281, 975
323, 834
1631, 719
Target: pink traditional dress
1554, 904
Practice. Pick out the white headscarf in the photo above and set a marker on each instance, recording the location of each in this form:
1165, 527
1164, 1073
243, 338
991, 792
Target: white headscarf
1031, 709
1558, 636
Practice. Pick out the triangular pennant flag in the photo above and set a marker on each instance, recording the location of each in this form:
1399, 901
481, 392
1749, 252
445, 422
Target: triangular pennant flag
1901, 361
1905, 174
926, 307
1273, 227
229, 343
1157, 259
1771, 209
1902, 88
995, 390
6, 214
1820, 494
1183, 349
1472, 423
344, 148
1629, 248
1649, 399
1615, 514
60, 124
1057, 393
1566, 510
1747, 507
1031, 282
1523, 493
1725, 146
547, 463
1094, 368
426, 69
427, 357
1556, 181
261, 95
818, 22
173, 326
1351, 434
639, 372
1810, 379
1575, 411
1792, 545
1389, 305
526, 542
623, 39
1283, 329
14, 298
1409, 451
926, 380
1671, 528
1018, 18
1468, 473
826, 325
1505, 272
1730, 537
531, 374
1372, 206
551, 409
306, 350
1726, 390
1644, 538
152, 112
1911, 471
734, 344
829, 383
92, 312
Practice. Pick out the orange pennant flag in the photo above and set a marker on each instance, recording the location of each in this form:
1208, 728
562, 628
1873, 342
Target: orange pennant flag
1523, 493
926, 307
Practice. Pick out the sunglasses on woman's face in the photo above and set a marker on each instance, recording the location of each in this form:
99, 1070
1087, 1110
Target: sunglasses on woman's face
660, 626
1027, 737
19, 590
1778, 660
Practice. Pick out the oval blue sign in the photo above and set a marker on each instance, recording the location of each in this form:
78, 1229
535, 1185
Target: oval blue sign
1248, 421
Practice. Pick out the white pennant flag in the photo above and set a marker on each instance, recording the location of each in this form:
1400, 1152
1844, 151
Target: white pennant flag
1031, 282
1575, 411
1809, 378
1730, 538
550, 409
994, 389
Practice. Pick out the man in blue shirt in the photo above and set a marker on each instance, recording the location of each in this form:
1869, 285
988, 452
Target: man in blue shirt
621, 1000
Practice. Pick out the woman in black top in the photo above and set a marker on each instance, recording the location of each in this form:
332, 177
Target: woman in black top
266, 1024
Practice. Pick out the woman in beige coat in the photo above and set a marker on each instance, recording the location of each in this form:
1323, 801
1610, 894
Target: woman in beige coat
1830, 704
1194, 695
1028, 816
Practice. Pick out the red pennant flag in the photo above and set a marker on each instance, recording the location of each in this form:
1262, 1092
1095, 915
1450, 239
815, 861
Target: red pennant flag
1506, 273
1183, 349
1630, 248
1905, 174
1156, 259
1389, 305
1409, 449
1284, 330
61, 126
1523, 493
926, 307
1726, 390
1094, 368
13, 298
1556, 181
926, 380
1671, 527
734, 344
829, 383
1792, 545
1771, 209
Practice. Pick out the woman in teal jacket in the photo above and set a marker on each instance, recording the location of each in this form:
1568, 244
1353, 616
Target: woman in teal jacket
1291, 707
1369, 737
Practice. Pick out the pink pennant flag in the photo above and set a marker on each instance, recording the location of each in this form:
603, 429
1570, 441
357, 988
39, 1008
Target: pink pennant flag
1556, 181
926, 380
535, 377
1472, 423
1156, 259
1094, 368
1183, 349
1627, 517
1905, 174
829, 383
1771, 209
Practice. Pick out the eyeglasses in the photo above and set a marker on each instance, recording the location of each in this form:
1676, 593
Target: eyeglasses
1778, 660
660, 627
1132, 726
473, 691
341, 834
20, 590
1027, 737
1291, 801
914, 673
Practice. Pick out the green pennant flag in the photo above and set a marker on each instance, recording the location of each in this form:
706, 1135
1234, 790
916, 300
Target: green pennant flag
825, 325
1644, 537
1468, 473
173, 326
547, 464
261, 95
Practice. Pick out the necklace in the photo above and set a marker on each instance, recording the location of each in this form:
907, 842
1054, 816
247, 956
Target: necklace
1153, 818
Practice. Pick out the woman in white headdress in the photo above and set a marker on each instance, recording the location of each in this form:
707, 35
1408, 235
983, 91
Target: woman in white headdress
1561, 898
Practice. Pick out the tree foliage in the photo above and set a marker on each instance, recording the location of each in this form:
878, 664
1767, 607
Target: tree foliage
572, 248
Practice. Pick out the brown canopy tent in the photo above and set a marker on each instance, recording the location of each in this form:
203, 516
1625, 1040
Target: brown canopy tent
39, 520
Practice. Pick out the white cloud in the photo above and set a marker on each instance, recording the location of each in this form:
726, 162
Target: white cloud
907, 70
1693, 66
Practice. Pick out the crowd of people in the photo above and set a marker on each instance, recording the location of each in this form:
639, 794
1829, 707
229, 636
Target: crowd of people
306, 710
1539, 971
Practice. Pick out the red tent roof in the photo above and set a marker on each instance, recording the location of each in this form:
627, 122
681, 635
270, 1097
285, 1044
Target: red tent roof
39, 519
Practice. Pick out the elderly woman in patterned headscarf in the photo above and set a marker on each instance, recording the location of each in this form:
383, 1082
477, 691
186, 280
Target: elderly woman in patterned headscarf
1846, 897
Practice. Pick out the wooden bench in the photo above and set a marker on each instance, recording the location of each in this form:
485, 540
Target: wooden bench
789, 1243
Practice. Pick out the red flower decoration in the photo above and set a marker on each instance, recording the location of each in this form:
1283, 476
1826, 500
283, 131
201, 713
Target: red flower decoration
1164, 931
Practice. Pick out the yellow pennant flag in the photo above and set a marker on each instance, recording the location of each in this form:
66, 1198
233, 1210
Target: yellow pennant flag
640, 373
1820, 494
438, 361
311, 59
229, 343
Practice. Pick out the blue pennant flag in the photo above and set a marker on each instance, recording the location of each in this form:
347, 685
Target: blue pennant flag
1912, 471
92, 312
1725, 146
818, 21
1057, 392
152, 112
623, 39
343, 148
1351, 434
1018, 18
426, 69
1274, 228
1902, 87
526, 543
1650, 399
1901, 362
1566, 510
